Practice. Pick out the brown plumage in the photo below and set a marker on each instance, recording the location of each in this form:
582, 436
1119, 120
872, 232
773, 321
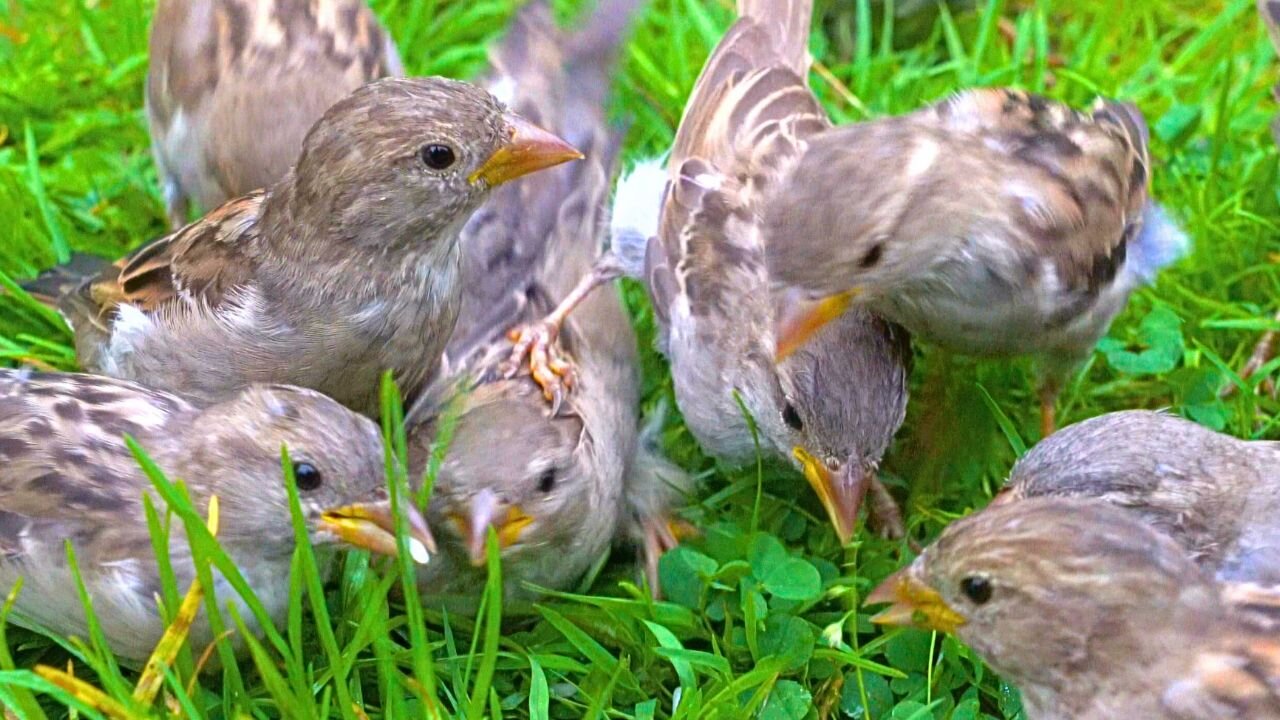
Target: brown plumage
66, 474
346, 267
831, 409
1091, 613
1216, 495
554, 486
995, 222
234, 85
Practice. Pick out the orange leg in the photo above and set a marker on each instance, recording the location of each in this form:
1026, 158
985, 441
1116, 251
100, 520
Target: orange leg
1263, 352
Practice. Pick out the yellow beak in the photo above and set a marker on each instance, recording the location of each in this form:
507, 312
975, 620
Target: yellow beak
509, 521
841, 493
800, 319
529, 149
372, 527
913, 603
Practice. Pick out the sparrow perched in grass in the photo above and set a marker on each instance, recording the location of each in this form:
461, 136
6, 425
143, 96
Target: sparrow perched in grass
551, 485
693, 234
66, 475
1092, 613
1216, 495
234, 85
346, 267
995, 222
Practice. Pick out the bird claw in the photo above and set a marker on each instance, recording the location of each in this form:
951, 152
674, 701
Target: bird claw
555, 374
661, 533
883, 511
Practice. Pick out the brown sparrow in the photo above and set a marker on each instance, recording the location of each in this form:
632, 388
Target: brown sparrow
346, 267
553, 486
66, 474
1092, 613
1216, 495
234, 85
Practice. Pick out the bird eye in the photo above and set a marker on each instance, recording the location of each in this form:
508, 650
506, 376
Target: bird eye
437, 156
977, 589
547, 480
872, 257
306, 476
792, 418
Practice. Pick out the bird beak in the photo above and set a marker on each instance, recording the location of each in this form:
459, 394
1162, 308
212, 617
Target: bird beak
841, 492
486, 510
529, 149
372, 527
799, 319
913, 603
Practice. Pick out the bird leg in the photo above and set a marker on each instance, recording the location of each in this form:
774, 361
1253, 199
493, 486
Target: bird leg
661, 533
1263, 352
537, 340
1048, 412
883, 511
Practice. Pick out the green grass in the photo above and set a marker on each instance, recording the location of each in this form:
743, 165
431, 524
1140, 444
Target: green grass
763, 613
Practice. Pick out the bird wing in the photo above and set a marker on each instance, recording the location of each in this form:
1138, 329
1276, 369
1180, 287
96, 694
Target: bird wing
1240, 678
200, 264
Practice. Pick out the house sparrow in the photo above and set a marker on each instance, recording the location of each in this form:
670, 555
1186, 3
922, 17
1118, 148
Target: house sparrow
995, 222
1219, 497
346, 267
1091, 613
234, 85
693, 234
551, 485
67, 474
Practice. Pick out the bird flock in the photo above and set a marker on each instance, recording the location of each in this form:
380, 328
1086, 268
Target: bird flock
358, 222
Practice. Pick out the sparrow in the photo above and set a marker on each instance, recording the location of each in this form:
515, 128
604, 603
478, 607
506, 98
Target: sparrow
551, 485
221, 72
692, 232
346, 267
66, 475
1218, 496
1091, 612
995, 222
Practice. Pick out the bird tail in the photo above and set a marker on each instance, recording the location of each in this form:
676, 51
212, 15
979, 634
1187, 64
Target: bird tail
52, 285
1159, 242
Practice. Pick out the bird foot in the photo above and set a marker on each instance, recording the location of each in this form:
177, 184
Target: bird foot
1262, 354
554, 374
883, 512
661, 533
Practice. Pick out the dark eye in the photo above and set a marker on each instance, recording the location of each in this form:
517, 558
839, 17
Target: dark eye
792, 418
306, 475
977, 589
547, 480
872, 257
437, 157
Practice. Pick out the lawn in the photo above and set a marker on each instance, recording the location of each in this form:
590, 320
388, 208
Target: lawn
763, 614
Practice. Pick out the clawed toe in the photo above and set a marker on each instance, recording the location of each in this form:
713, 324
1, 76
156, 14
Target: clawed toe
554, 374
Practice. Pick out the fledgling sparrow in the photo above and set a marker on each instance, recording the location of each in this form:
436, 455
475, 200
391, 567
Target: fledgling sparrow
66, 474
693, 234
345, 268
1092, 613
994, 223
551, 485
234, 85
1216, 495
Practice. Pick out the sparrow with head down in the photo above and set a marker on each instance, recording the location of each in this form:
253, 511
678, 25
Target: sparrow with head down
344, 268
222, 71
67, 475
1092, 613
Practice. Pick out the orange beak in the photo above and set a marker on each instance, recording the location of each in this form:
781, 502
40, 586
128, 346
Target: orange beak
529, 149
841, 492
372, 527
486, 510
913, 603
799, 319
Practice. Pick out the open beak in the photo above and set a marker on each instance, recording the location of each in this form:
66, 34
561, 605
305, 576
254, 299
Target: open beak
841, 492
799, 319
529, 149
486, 510
913, 603
372, 527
